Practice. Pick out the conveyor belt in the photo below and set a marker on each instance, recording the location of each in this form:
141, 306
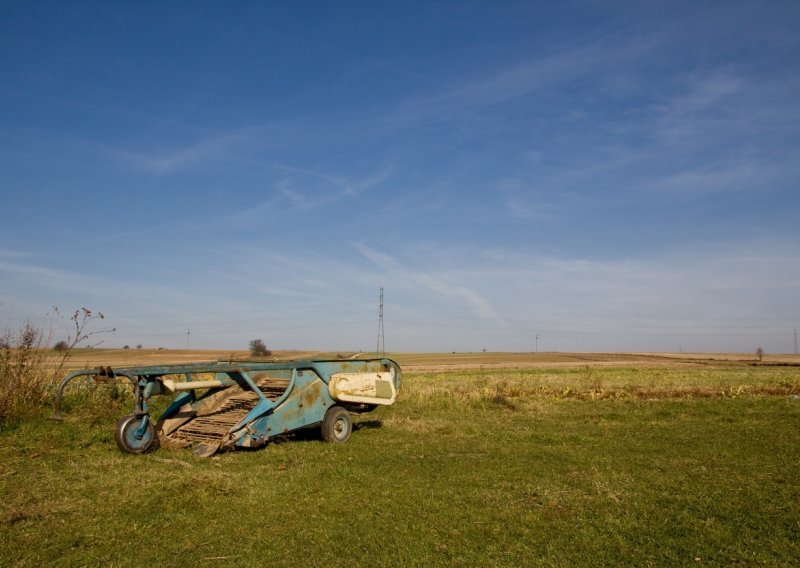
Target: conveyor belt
211, 425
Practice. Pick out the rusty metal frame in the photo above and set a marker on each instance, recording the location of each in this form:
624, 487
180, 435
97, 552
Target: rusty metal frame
302, 404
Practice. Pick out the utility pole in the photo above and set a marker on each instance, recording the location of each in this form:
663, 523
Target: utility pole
537, 343
188, 333
795, 341
381, 348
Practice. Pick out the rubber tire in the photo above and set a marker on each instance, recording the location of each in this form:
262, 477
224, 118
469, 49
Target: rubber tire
337, 425
127, 443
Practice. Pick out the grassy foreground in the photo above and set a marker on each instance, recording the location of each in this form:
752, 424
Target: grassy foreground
573, 466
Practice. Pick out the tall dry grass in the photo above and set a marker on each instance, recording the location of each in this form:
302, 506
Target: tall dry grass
30, 369
27, 372
509, 389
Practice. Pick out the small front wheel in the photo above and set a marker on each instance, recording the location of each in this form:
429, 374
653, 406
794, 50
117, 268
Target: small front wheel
337, 425
131, 440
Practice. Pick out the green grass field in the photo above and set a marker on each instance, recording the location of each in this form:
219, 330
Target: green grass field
576, 465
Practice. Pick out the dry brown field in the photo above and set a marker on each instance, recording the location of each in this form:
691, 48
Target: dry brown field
431, 362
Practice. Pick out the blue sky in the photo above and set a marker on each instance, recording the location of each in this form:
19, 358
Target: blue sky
603, 175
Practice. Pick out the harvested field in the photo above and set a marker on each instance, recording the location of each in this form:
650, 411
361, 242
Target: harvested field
424, 362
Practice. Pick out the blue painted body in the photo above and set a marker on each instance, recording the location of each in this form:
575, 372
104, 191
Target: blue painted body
302, 404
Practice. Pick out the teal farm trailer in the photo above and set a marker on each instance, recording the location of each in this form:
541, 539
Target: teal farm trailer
243, 404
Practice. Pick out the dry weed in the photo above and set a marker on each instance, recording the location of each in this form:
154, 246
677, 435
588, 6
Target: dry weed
30, 370
26, 377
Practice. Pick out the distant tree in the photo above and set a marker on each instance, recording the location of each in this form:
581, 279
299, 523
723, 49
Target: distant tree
259, 349
61, 346
139, 346
760, 353
127, 347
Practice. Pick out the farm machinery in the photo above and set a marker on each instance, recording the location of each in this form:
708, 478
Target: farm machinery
244, 404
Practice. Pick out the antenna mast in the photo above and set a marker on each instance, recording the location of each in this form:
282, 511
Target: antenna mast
381, 348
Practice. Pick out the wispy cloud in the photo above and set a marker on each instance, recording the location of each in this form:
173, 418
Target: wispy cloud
217, 146
334, 181
439, 283
703, 137
50, 277
444, 297
713, 178
7, 253
326, 188
498, 86
300, 189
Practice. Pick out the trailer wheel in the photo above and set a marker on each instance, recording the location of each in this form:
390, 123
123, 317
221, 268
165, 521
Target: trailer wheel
337, 425
126, 438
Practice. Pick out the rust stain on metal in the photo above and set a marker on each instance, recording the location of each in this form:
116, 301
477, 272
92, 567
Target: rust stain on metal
311, 393
254, 398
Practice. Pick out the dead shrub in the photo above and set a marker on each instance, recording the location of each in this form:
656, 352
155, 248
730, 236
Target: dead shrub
30, 370
24, 378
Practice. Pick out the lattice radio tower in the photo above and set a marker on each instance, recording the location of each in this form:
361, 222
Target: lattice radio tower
381, 348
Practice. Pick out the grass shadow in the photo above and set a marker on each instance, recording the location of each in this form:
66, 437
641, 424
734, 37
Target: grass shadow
367, 425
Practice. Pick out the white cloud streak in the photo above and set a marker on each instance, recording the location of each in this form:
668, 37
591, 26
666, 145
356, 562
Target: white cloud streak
431, 281
197, 153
